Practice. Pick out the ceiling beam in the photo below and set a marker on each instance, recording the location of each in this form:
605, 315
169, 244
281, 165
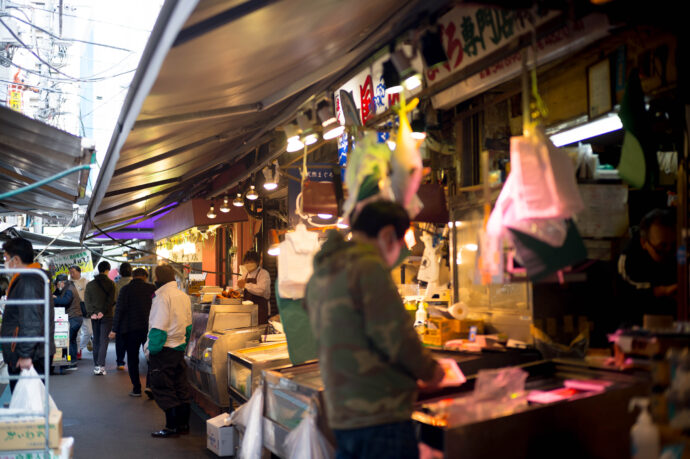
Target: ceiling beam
30, 181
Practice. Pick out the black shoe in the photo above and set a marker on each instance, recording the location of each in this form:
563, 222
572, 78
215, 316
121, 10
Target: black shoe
165, 433
183, 430
135, 394
149, 393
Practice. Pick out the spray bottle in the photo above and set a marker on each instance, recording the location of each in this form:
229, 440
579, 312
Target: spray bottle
420, 319
644, 435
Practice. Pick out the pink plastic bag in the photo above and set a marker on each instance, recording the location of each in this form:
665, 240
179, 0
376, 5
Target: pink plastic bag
545, 183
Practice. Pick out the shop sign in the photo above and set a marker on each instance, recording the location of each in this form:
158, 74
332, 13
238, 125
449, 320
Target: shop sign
59, 264
471, 33
369, 91
14, 100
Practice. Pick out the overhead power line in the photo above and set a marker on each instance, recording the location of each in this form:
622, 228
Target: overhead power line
43, 61
139, 29
68, 39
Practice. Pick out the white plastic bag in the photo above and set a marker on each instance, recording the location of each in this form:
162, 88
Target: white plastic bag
29, 393
250, 416
295, 262
307, 441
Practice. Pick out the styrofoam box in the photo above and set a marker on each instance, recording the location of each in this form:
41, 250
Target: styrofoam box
221, 439
59, 310
61, 327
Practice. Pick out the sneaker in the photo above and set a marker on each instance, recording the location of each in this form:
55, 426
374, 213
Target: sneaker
97, 370
71, 367
89, 345
135, 394
149, 393
102, 371
120, 368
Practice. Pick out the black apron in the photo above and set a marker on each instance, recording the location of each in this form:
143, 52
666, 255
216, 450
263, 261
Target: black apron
260, 301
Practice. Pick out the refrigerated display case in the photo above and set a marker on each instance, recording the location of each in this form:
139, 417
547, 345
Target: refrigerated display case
245, 366
289, 394
580, 424
228, 324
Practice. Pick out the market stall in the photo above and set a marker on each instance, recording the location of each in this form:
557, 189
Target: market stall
507, 138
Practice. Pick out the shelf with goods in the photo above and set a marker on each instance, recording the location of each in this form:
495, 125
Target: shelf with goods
61, 359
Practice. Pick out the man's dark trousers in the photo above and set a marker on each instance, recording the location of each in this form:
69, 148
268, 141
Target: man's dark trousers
120, 349
132, 341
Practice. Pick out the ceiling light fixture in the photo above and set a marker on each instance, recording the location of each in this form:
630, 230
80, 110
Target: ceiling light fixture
391, 78
271, 175
274, 248
594, 128
293, 141
238, 201
413, 82
252, 194
211, 212
225, 207
329, 122
325, 216
418, 126
309, 135
432, 50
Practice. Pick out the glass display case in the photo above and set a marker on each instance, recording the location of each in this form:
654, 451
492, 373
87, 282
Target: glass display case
245, 365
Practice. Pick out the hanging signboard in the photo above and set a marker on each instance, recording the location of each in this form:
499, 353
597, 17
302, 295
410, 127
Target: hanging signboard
470, 33
59, 264
14, 99
369, 90
369, 94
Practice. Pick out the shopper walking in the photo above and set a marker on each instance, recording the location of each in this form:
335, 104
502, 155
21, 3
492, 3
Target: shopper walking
100, 300
369, 354
125, 278
131, 321
26, 320
66, 296
170, 325
85, 332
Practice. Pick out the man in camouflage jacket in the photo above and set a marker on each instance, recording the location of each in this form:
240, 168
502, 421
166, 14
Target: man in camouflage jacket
369, 353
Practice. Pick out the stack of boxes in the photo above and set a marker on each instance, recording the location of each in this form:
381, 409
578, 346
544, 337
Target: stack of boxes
61, 336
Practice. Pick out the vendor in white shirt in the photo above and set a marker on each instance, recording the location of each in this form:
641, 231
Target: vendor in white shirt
256, 284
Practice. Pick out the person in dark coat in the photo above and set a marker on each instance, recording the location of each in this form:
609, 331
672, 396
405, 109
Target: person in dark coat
647, 269
131, 322
99, 298
26, 320
67, 296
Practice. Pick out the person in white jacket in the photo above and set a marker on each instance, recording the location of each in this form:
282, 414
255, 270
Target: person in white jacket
170, 325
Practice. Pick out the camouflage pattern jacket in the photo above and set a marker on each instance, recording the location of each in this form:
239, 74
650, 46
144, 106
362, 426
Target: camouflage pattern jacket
369, 353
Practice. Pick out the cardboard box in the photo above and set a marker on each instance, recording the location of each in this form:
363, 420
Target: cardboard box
439, 330
28, 432
221, 439
64, 451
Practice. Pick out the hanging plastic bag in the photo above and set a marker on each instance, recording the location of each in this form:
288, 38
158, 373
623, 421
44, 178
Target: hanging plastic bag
367, 171
295, 261
545, 183
30, 394
406, 162
307, 441
250, 416
4, 376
